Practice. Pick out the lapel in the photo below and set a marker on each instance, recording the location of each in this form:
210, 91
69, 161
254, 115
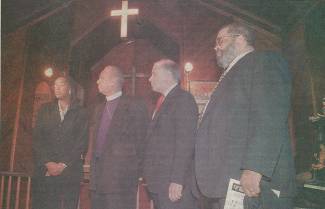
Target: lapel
55, 112
211, 102
98, 114
163, 108
217, 92
119, 120
97, 117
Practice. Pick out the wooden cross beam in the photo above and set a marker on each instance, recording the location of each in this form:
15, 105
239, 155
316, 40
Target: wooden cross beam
124, 12
133, 76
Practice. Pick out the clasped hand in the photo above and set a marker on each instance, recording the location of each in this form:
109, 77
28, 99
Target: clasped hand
175, 192
54, 169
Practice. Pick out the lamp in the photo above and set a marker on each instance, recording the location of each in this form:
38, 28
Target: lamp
188, 67
48, 72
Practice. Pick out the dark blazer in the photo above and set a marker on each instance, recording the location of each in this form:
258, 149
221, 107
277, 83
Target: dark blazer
118, 168
56, 141
245, 127
170, 148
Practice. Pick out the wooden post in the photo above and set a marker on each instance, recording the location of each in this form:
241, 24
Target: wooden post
17, 119
133, 76
2, 190
17, 192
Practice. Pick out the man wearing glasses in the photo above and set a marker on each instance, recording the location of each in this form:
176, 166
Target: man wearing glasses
243, 133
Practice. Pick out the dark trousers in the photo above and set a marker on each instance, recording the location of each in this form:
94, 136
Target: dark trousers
213, 203
125, 200
267, 199
265, 203
54, 193
162, 201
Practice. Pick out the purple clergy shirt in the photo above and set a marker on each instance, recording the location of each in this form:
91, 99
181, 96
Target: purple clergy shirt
105, 123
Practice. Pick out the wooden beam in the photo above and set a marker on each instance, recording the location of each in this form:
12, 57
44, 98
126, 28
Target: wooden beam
237, 18
87, 31
294, 20
42, 17
248, 14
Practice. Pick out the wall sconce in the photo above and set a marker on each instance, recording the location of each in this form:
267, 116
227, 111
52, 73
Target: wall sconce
48, 72
188, 67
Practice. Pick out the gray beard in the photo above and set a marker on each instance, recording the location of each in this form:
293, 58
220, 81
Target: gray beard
227, 56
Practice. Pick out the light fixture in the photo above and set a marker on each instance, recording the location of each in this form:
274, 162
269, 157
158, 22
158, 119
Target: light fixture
188, 67
48, 72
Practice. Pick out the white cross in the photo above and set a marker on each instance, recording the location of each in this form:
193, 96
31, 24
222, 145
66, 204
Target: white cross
124, 12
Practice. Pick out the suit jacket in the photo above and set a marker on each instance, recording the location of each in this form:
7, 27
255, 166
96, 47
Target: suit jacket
245, 127
118, 167
56, 141
170, 138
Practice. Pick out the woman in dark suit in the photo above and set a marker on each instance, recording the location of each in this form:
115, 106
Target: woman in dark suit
59, 139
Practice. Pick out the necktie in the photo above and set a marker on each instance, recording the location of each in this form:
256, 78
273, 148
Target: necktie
158, 104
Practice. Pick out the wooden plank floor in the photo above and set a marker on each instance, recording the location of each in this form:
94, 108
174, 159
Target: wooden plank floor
144, 202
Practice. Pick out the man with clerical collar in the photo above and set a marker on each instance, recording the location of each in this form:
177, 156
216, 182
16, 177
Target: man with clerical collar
119, 127
169, 153
243, 133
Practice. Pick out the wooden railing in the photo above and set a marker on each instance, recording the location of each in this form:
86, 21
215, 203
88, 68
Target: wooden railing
15, 190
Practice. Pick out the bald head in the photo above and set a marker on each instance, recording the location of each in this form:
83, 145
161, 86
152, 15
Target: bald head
165, 73
110, 80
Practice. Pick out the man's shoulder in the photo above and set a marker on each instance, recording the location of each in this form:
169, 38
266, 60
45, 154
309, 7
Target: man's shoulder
263, 58
185, 94
267, 54
182, 96
178, 90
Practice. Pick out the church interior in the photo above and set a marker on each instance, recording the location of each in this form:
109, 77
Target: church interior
41, 40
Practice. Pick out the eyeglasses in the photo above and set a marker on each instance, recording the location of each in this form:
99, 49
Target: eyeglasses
220, 40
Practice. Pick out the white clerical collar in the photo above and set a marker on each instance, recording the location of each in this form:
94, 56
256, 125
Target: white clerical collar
169, 89
114, 96
237, 59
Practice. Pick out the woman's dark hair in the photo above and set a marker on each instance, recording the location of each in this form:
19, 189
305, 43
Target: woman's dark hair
73, 88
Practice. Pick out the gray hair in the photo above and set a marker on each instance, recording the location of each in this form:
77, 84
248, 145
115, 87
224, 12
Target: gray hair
242, 29
170, 66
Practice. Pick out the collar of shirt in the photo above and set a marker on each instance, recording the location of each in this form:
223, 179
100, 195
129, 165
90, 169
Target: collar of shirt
62, 112
114, 96
237, 59
169, 89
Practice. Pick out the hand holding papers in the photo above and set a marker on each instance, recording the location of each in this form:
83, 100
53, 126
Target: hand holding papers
235, 195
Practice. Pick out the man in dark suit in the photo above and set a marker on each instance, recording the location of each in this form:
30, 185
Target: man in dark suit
243, 133
120, 125
169, 152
